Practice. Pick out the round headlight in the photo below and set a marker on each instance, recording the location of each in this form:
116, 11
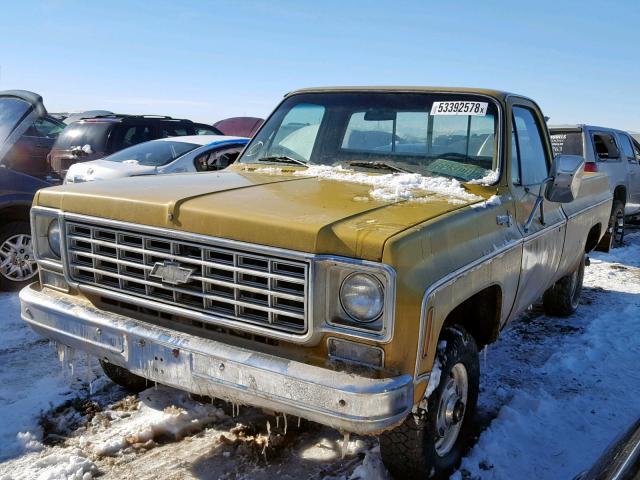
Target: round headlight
53, 235
362, 297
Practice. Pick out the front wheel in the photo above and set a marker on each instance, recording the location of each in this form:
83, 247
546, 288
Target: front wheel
430, 442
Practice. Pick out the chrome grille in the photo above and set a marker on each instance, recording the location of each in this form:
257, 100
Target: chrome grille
244, 286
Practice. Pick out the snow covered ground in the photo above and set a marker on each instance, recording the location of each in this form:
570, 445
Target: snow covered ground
554, 392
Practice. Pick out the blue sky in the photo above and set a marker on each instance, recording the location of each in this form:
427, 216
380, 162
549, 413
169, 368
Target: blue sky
210, 60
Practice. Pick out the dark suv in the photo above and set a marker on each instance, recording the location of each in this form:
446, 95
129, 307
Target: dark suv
94, 138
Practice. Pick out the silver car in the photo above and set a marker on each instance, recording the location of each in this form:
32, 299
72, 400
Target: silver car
611, 151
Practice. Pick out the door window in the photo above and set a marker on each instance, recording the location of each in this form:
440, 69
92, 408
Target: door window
605, 146
218, 159
627, 148
173, 131
533, 165
636, 150
44, 128
126, 136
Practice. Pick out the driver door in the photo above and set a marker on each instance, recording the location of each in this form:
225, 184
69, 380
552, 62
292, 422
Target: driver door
544, 235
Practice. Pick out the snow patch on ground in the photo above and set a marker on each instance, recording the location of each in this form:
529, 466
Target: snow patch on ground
31, 380
557, 421
53, 464
162, 412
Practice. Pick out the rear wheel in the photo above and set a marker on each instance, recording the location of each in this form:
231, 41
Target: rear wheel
129, 381
617, 224
563, 298
17, 264
430, 442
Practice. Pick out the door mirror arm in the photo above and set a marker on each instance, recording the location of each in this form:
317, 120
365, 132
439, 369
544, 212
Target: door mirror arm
539, 204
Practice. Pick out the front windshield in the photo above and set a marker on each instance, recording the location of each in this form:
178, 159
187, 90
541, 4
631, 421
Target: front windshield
431, 134
153, 153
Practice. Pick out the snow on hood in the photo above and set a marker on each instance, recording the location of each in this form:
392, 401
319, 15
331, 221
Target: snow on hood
489, 179
390, 187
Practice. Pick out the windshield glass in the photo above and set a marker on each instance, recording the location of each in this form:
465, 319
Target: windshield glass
432, 134
12, 110
566, 142
154, 153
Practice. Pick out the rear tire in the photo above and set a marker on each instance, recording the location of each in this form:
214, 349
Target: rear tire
129, 381
422, 446
617, 224
563, 298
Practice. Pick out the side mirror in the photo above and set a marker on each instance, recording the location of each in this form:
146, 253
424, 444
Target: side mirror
566, 177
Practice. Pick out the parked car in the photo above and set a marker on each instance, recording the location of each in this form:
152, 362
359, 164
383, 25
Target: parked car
20, 113
239, 126
197, 153
347, 269
613, 152
101, 136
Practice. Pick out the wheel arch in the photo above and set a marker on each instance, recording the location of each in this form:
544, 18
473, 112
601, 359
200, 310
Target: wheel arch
620, 194
15, 212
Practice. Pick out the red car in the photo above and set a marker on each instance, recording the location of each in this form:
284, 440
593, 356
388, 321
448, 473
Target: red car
239, 126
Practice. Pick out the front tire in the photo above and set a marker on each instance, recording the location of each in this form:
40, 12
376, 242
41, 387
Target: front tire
129, 381
563, 298
430, 443
18, 267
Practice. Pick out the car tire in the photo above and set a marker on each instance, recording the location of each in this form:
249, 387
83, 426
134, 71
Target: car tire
419, 448
17, 263
617, 224
129, 381
563, 298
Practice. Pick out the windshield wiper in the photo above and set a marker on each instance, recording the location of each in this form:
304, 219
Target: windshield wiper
378, 166
282, 159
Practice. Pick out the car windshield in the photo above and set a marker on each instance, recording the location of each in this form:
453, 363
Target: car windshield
452, 135
154, 153
566, 142
11, 111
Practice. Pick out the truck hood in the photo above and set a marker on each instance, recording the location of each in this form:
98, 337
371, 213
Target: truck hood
106, 170
284, 209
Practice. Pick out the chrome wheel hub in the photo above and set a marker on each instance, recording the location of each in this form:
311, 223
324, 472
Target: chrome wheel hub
451, 409
16, 258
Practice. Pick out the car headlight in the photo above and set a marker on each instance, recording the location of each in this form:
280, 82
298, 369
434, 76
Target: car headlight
53, 236
362, 297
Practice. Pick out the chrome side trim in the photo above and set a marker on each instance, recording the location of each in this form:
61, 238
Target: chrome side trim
342, 400
590, 207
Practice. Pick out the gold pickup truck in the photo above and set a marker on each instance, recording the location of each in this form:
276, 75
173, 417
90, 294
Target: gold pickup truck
347, 269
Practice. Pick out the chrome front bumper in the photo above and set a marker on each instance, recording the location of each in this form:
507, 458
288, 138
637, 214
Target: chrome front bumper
341, 400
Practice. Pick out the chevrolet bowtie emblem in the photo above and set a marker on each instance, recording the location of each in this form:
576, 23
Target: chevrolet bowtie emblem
171, 272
